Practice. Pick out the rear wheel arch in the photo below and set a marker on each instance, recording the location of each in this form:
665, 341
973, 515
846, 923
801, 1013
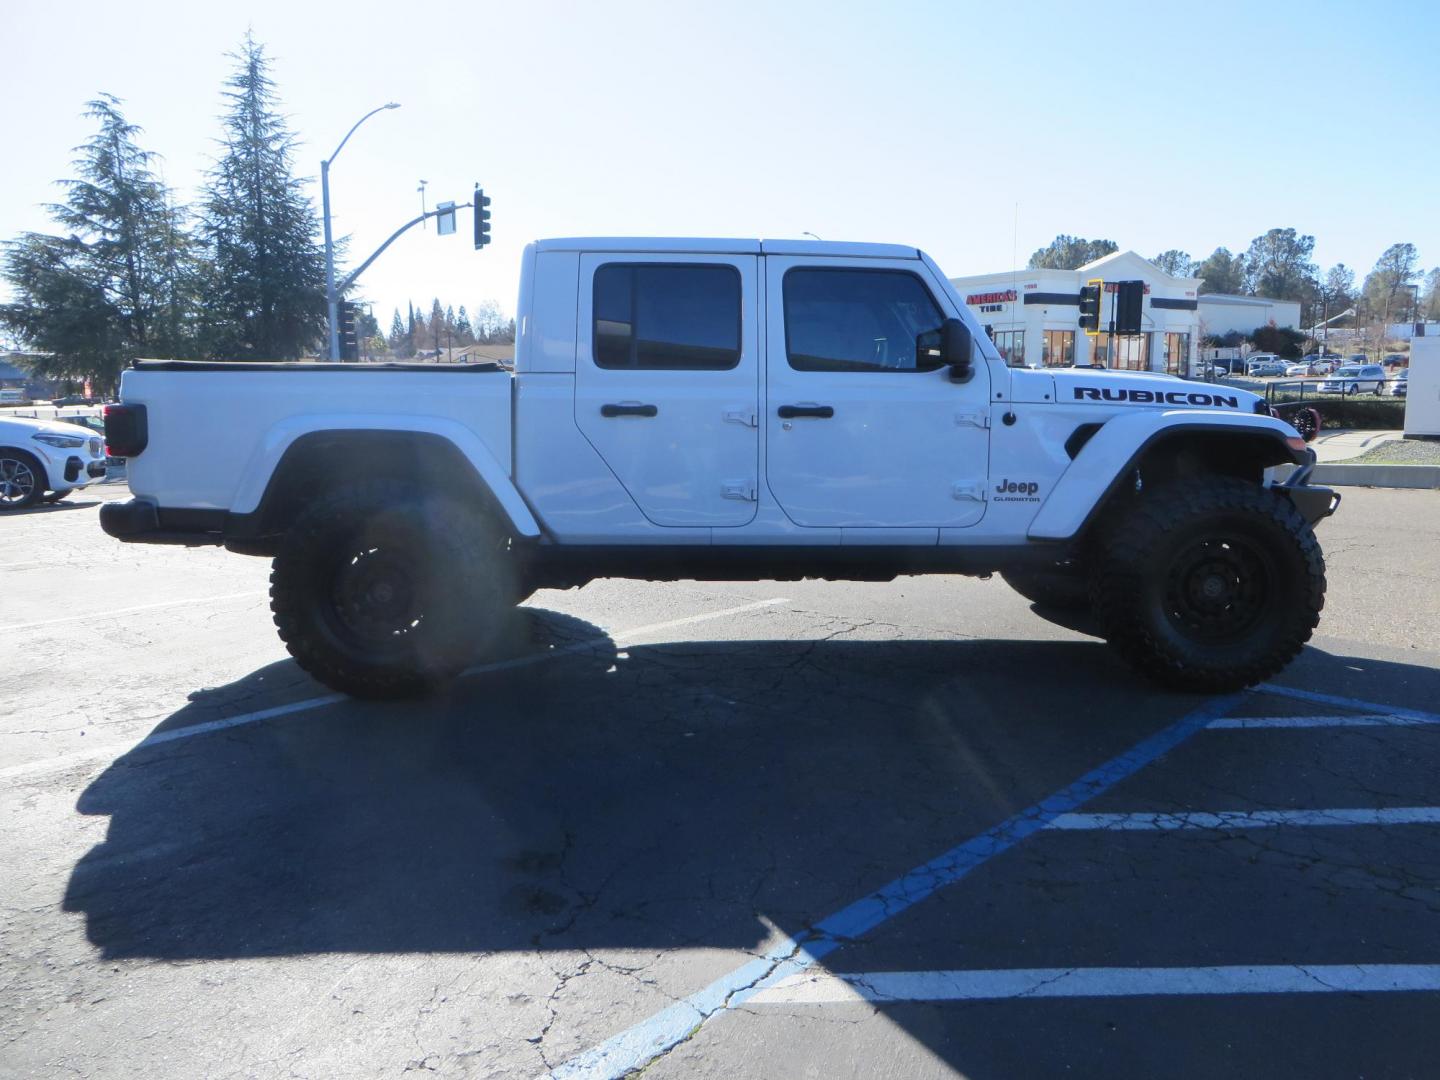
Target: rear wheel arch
320, 462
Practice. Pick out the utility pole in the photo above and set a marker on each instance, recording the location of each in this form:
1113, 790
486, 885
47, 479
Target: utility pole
332, 297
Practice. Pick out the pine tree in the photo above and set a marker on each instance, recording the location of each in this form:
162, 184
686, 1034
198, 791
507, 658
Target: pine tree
267, 285
464, 333
396, 340
123, 282
437, 325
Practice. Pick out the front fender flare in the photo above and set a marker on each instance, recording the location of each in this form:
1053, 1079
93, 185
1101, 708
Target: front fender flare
1112, 452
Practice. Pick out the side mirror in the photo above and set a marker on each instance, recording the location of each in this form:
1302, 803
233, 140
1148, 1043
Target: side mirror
956, 350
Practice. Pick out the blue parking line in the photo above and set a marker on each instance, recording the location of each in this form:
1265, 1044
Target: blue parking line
637, 1045
1417, 715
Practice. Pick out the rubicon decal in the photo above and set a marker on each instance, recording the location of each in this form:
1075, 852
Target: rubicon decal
1017, 491
1154, 397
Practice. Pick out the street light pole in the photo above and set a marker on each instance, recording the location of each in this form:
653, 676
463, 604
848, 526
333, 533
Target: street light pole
332, 301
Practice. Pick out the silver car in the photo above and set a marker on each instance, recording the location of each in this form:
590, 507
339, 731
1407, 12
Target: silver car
1355, 379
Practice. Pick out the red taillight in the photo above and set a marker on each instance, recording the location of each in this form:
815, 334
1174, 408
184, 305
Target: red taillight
127, 430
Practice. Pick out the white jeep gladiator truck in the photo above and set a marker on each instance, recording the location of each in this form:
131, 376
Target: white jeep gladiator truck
727, 410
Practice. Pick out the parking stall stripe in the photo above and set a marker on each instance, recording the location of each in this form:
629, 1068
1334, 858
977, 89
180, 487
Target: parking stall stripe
1248, 819
999, 985
65, 761
636, 1046
1316, 698
1254, 723
91, 616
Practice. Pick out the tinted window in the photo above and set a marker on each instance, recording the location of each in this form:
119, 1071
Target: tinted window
860, 320
654, 315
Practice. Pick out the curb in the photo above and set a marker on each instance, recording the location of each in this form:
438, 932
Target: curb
1393, 476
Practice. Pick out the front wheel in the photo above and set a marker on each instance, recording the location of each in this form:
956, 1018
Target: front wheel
380, 593
21, 480
1209, 586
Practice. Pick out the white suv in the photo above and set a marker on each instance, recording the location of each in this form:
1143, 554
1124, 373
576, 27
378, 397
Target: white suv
1355, 379
42, 459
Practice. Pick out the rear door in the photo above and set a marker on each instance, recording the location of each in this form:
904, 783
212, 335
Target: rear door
864, 427
667, 388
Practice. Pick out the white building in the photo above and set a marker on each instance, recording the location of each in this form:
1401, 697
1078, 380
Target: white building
1034, 316
1221, 313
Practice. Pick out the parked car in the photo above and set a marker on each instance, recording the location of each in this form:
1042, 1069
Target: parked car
42, 459
1270, 367
1321, 363
1396, 360
1257, 359
1306, 368
1355, 379
1399, 383
407, 507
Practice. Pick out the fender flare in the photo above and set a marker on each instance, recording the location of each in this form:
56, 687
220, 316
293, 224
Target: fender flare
277, 441
1112, 452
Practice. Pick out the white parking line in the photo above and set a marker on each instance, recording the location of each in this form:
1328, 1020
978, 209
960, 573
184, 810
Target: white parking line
1248, 723
891, 986
1249, 819
110, 750
90, 616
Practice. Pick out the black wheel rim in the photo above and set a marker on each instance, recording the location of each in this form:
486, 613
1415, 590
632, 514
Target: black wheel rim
17, 481
376, 599
1219, 589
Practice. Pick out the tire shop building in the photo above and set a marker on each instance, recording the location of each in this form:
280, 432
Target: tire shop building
1033, 316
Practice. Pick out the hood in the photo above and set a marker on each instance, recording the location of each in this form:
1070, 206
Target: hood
1148, 389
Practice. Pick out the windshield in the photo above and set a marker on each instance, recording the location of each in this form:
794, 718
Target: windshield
1348, 371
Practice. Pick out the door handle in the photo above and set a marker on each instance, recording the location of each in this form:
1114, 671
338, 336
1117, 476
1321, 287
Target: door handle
789, 412
628, 410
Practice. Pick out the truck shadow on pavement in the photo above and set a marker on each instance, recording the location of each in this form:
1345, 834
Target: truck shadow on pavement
697, 794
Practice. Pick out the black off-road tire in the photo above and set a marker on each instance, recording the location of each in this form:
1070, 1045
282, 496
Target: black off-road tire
382, 593
1209, 585
15, 467
1061, 588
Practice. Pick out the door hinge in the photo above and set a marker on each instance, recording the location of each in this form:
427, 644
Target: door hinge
974, 490
743, 490
980, 419
748, 417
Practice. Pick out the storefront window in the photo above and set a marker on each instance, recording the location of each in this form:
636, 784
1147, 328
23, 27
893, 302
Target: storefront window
1131, 353
1058, 348
1177, 353
1011, 344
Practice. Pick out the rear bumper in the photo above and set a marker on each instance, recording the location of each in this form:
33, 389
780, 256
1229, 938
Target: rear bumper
137, 521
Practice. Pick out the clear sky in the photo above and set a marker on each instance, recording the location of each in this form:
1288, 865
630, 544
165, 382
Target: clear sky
976, 131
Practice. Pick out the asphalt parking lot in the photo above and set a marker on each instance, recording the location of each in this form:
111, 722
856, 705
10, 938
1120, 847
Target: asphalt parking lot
751, 830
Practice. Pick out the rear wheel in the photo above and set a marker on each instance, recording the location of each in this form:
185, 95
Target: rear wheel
382, 594
22, 480
1209, 586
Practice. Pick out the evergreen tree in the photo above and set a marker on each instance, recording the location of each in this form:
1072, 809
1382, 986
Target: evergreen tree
122, 283
267, 283
437, 326
1222, 272
1071, 253
396, 339
1176, 263
1387, 287
1278, 265
464, 332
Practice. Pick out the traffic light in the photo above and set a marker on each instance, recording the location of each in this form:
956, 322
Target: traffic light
349, 342
1090, 305
1129, 301
482, 219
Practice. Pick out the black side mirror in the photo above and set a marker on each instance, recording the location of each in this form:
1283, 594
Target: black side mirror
956, 350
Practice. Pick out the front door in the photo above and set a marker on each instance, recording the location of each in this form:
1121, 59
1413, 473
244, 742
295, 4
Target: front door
864, 427
667, 381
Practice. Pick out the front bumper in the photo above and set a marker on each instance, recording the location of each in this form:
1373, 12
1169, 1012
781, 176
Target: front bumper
1314, 503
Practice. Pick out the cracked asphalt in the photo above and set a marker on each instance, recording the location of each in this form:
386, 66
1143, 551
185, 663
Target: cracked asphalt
669, 783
